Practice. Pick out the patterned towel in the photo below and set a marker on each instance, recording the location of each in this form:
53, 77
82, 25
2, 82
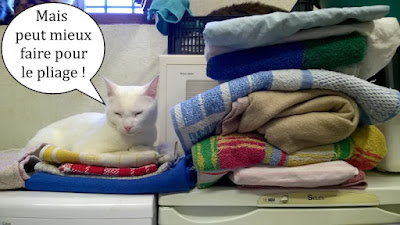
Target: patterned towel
53, 169
179, 177
373, 150
324, 53
382, 39
71, 168
217, 155
52, 154
196, 119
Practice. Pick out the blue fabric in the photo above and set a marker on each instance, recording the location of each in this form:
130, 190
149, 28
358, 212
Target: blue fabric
240, 63
261, 30
377, 104
180, 178
168, 11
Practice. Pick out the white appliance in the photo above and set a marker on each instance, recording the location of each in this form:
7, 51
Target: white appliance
181, 77
378, 204
184, 76
50, 208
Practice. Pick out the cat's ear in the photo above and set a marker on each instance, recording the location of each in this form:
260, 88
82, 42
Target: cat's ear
111, 87
151, 88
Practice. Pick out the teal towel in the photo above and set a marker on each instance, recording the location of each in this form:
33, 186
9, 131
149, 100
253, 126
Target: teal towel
169, 11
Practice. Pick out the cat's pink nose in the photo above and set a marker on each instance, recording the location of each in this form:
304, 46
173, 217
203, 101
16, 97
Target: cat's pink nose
127, 128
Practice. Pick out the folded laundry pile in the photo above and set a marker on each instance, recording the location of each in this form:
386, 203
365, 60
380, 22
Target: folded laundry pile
253, 33
157, 170
218, 155
293, 108
327, 53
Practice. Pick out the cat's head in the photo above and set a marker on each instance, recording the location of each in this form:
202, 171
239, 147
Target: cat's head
132, 109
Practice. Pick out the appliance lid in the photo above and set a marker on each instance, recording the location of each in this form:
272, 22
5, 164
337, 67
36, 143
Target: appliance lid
35, 204
383, 189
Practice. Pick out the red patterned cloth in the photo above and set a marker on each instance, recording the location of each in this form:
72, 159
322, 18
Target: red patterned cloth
71, 168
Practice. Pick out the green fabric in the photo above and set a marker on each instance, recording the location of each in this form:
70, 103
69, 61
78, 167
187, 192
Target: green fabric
334, 51
344, 149
202, 154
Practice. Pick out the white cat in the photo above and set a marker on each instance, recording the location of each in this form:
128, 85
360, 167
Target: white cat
128, 121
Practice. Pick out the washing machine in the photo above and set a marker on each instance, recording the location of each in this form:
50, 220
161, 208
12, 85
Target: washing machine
50, 208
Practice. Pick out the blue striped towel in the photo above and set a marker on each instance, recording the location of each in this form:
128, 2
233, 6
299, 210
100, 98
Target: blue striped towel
196, 119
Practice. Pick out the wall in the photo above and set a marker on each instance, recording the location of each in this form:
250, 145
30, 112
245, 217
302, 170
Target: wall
131, 59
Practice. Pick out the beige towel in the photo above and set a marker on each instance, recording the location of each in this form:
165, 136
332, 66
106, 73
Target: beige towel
301, 119
230, 123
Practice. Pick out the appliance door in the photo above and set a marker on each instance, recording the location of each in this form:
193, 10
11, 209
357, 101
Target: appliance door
222, 215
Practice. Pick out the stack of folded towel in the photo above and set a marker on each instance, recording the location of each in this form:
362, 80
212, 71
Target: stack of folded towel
156, 170
289, 114
304, 40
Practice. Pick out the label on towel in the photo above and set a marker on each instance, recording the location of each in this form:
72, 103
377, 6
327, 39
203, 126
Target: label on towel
318, 199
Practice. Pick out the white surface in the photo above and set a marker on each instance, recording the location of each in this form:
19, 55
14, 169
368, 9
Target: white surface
391, 130
228, 205
385, 186
57, 205
176, 72
263, 216
39, 221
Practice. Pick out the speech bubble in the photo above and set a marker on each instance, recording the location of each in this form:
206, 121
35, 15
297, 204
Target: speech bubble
54, 48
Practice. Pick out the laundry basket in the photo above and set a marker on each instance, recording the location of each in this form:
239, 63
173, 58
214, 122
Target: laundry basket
186, 37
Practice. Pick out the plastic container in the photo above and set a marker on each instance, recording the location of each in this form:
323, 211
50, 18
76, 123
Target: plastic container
186, 37
303, 5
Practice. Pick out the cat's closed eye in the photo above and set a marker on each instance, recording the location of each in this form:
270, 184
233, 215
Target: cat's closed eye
118, 114
138, 113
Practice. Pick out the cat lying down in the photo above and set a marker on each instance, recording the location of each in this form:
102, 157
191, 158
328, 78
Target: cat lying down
128, 123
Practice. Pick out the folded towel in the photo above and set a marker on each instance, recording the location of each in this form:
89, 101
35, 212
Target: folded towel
262, 30
382, 39
52, 154
324, 53
71, 168
293, 120
300, 119
179, 178
168, 11
54, 169
356, 182
217, 155
196, 119
15, 165
308, 176
368, 157
230, 123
